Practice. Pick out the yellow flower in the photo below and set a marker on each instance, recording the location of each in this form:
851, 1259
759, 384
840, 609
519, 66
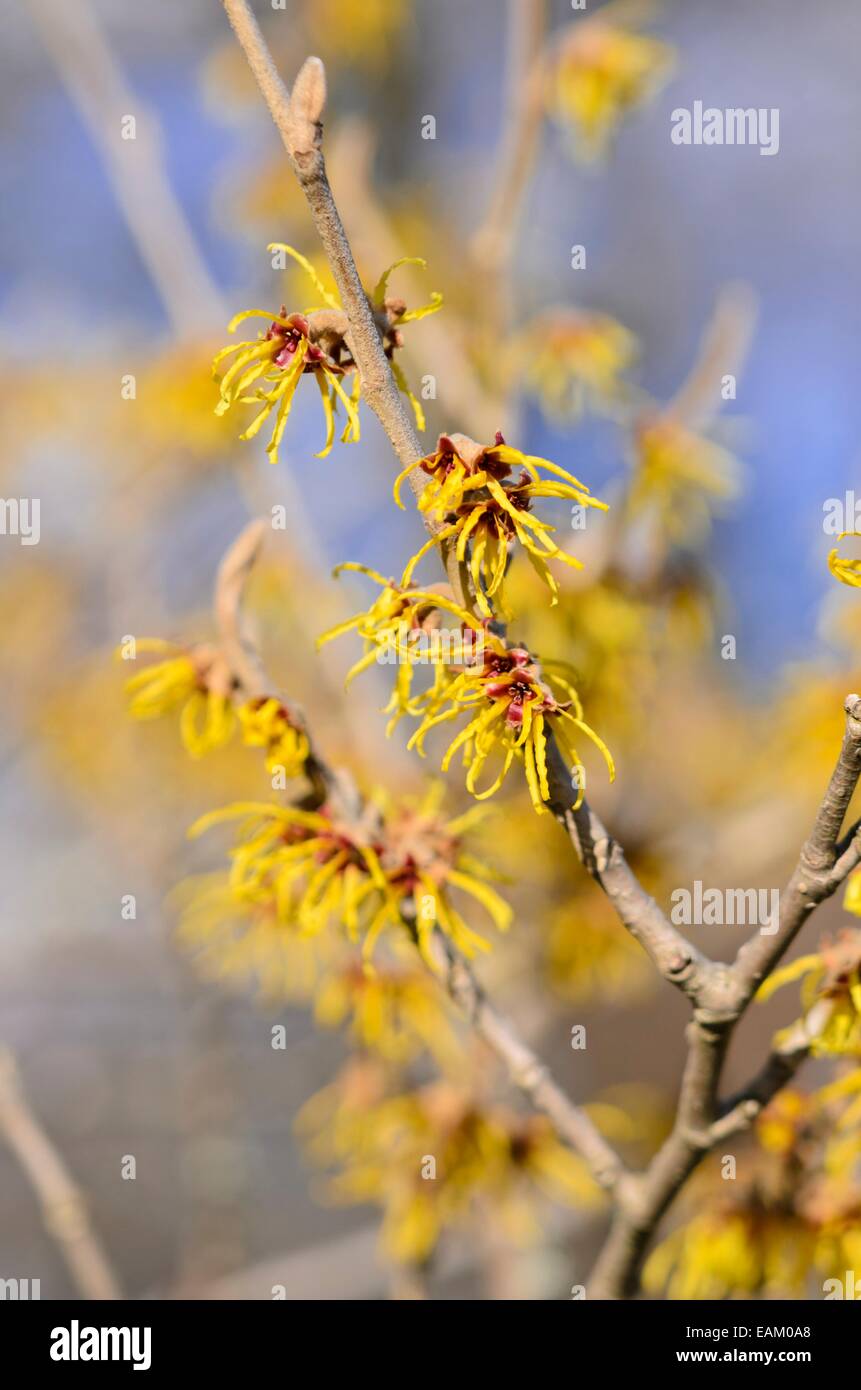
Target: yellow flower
590, 956
266, 371
571, 359
195, 679
724, 1253
266, 723
459, 466
238, 940
495, 517
600, 74
396, 1012
511, 707
484, 1157
403, 627
847, 571
831, 994
682, 474
364, 874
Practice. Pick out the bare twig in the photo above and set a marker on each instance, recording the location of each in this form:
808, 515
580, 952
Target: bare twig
674, 956
155, 219
233, 575
493, 243
822, 865
528, 1072
701, 1121
64, 1209
298, 120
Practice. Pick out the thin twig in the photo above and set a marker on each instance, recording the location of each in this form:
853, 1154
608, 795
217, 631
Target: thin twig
493, 244
154, 217
701, 1121
64, 1209
298, 121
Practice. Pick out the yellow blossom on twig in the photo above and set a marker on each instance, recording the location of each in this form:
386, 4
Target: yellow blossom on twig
194, 680
511, 709
366, 873
266, 371
267, 723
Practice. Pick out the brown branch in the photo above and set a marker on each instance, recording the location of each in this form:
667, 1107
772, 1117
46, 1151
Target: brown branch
677, 959
298, 120
701, 1122
823, 865
739, 1112
525, 1069
64, 1209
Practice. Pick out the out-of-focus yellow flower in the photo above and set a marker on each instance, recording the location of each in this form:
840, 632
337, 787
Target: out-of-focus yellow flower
364, 874
357, 32
740, 1254
510, 706
799, 1209
436, 1159
266, 723
680, 474
195, 679
396, 1012
784, 1120
238, 940
571, 359
600, 74
266, 371
590, 956
847, 571
832, 974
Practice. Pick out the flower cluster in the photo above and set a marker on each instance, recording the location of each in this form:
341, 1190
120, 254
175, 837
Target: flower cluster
481, 1153
475, 502
509, 701
266, 371
379, 869
797, 1209
198, 681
